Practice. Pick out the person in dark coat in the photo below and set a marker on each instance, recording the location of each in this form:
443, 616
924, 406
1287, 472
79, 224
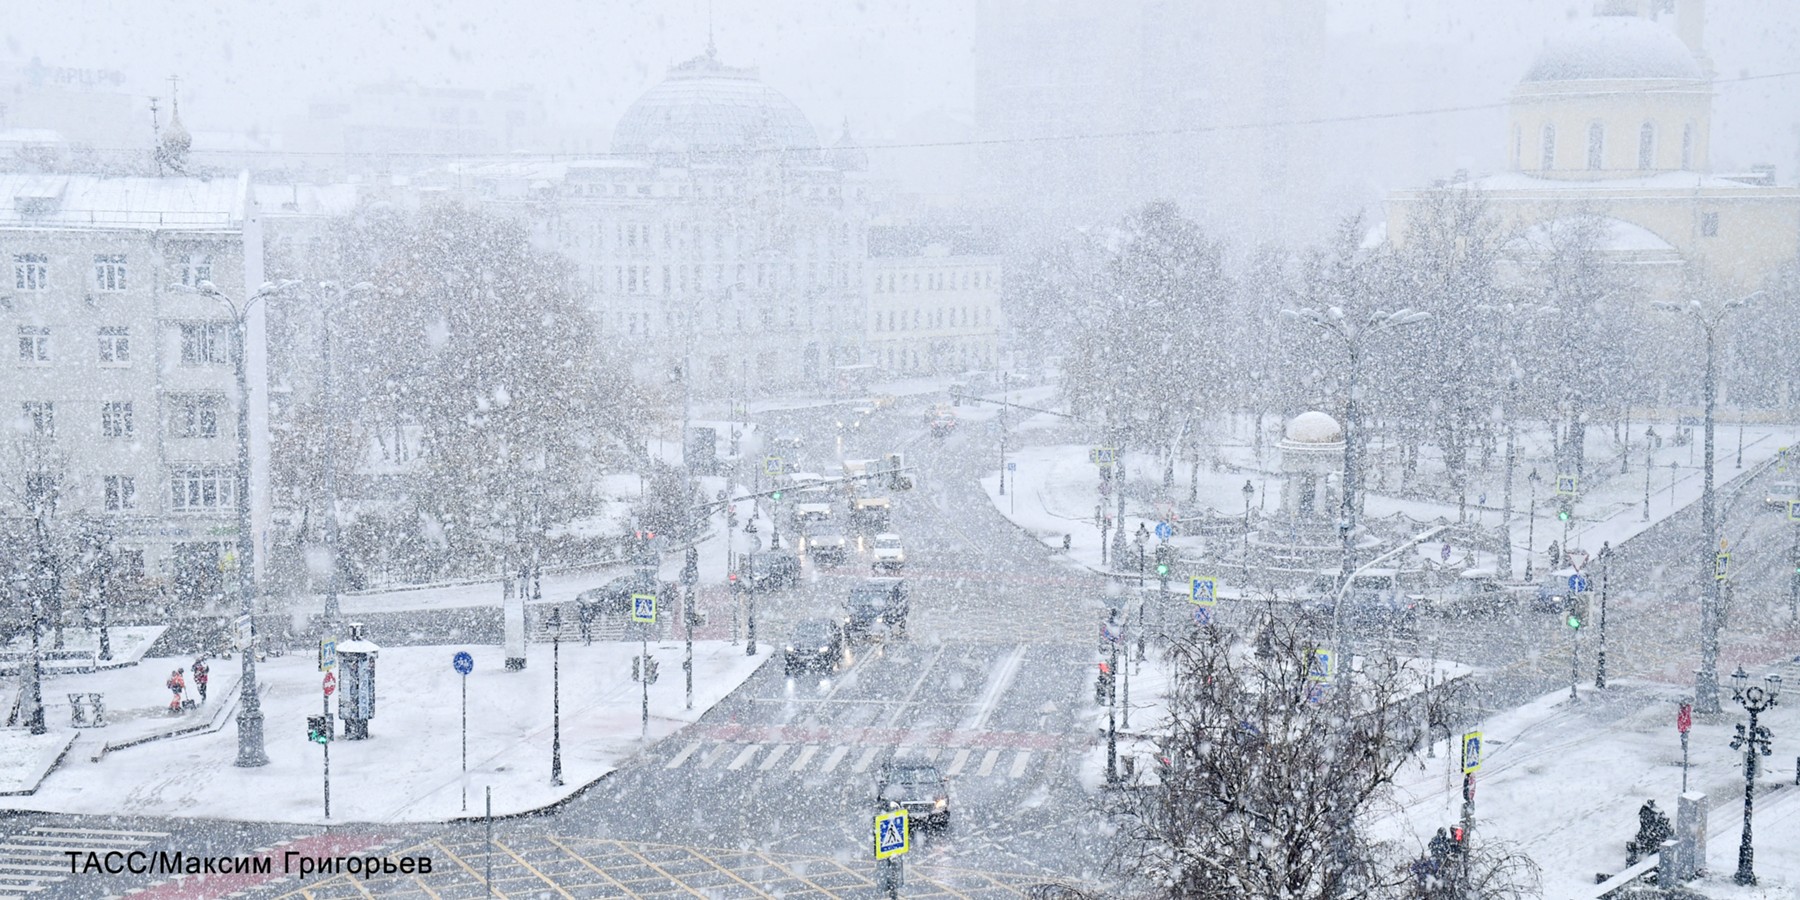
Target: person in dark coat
200, 675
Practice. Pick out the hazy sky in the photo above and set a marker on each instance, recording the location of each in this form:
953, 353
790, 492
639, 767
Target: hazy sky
257, 62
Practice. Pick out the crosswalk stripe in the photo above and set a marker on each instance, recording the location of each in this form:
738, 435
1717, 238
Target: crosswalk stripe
713, 758
1020, 760
831, 762
683, 755
806, 754
45, 829
862, 763
957, 763
744, 757
774, 757
987, 763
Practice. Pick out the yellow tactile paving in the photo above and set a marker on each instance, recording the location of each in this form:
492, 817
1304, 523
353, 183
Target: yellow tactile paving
532, 866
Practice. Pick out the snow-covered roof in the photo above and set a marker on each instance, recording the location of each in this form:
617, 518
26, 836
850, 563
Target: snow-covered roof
307, 199
706, 107
1314, 427
1620, 236
77, 201
1661, 181
1614, 47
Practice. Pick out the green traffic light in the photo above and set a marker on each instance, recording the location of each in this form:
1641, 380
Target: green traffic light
1162, 569
777, 495
1562, 514
1574, 621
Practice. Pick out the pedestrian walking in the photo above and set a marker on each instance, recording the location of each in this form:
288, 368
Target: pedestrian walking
200, 674
176, 684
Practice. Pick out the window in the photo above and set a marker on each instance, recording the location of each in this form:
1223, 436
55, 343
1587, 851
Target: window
196, 269
39, 416
1549, 157
115, 344
129, 564
1596, 146
40, 490
31, 271
201, 488
115, 418
205, 343
1647, 146
121, 493
195, 415
1709, 224
109, 272
34, 344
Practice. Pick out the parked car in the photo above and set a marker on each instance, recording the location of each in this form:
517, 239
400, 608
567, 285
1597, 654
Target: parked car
1552, 594
886, 553
1480, 592
1373, 602
826, 545
878, 603
1781, 493
770, 569
916, 786
814, 644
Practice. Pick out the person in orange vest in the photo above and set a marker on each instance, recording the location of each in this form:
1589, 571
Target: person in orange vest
176, 684
200, 672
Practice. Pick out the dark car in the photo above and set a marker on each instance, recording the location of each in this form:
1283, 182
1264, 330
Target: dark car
878, 603
916, 786
770, 569
815, 644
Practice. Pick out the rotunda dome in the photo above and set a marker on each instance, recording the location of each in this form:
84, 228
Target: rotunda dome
1314, 427
706, 107
1614, 47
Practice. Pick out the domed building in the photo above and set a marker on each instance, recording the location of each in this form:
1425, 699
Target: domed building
1312, 468
1614, 116
718, 239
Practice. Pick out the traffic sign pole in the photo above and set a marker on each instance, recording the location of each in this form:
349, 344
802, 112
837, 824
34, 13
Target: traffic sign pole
326, 687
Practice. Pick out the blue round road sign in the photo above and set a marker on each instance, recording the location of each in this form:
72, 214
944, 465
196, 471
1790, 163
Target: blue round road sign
1578, 582
463, 662
1164, 530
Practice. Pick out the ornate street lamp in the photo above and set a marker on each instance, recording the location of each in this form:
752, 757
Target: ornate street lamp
1751, 739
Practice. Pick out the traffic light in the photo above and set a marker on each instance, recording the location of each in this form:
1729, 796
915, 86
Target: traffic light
1162, 570
1103, 685
318, 729
1578, 611
1459, 839
651, 671
731, 516
776, 496
1164, 557
1562, 510
690, 569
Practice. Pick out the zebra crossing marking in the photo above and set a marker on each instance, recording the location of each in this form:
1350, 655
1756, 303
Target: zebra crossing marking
774, 757
957, 762
744, 757
713, 757
1019, 763
28, 859
863, 762
806, 754
831, 762
987, 763
682, 757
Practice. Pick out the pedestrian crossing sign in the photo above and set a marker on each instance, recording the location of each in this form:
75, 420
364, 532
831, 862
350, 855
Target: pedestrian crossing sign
892, 835
1321, 666
771, 465
1471, 752
1566, 484
1204, 591
1794, 510
643, 608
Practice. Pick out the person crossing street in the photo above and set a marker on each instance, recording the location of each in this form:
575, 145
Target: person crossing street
200, 676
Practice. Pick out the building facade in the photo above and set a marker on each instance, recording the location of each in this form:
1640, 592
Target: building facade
718, 238
934, 305
121, 389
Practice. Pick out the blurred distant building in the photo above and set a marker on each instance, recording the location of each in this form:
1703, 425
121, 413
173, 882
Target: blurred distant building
1614, 117
934, 302
718, 231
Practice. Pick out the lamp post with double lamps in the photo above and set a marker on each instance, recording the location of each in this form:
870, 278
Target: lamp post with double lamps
1530, 523
1752, 739
250, 716
1709, 315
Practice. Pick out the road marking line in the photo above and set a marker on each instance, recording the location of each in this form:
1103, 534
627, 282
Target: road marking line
744, 757
862, 762
925, 672
831, 762
683, 755
806, 754
987, 763
1020, 760
957, 763
712, 758
775, 757
1002, 678
147, 834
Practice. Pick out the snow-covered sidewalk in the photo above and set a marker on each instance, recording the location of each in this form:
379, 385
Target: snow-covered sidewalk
410, 769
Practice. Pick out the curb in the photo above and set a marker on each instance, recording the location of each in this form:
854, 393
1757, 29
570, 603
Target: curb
217, 722
47, 770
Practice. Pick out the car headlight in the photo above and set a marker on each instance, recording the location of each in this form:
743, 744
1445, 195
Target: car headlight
790, 648
942, 802
825, 649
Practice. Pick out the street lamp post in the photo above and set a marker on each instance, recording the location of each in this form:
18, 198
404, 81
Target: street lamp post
1605, 559
250, 717
1706, 680
1249, 490
556, 778
328, 390
1530, 523
1649, 441
1751, 739
33, 700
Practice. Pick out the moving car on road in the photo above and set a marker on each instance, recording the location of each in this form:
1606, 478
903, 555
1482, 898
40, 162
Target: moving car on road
1781, 493
815, 644
826, 545
916, 786
878, 602
887, 554
770, 569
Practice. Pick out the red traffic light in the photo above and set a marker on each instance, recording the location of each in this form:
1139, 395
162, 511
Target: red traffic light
731, 577
1456, 833
1105, 669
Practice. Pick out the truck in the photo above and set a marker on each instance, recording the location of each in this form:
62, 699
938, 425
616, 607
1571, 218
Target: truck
877, 603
